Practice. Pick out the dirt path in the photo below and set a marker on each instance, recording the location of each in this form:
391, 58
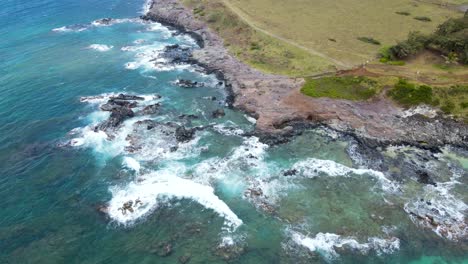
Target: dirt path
252, 24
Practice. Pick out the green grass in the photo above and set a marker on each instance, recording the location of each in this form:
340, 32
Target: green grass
313, 23
347, 87
255, 48
451, 100
409, 94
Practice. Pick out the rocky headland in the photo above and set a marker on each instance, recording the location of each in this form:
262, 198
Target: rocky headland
282, 110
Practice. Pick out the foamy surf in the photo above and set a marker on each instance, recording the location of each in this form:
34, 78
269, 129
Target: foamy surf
312, 168
100, 47
327, 243
440, 211
159, 186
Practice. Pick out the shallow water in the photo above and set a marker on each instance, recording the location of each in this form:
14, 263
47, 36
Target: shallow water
221, 196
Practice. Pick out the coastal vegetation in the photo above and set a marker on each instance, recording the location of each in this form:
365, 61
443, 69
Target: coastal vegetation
451, 100
450, 39
263, 34
254, 47
346, 87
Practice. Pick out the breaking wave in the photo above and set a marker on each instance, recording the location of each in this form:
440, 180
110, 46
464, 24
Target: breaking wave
327, 243
152, 190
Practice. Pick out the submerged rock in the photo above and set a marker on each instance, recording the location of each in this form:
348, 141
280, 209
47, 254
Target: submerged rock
184, 259
163, 249
218, 113
189, 84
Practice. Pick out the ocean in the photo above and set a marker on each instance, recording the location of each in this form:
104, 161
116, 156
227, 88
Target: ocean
136, 193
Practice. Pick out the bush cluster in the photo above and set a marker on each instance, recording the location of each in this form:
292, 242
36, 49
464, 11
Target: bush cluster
408, 94
451, 39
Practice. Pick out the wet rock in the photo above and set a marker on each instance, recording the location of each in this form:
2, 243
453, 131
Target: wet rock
424, 178
103, 21
189, 84
177, 54
127, 97
189, 116
183, 134
291, 172
218, 113
151, 109
212, 98
250, 156
255, 192
116, 118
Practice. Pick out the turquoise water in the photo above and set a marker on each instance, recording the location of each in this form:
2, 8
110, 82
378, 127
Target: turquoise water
219, 197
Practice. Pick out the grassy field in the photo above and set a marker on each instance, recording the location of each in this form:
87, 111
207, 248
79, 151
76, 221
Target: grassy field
254, 47
348, 87
305, 37
334, 28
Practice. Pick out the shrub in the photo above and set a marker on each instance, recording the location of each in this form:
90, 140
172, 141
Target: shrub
415, 43
408, 94
448, 107
254, 46
369, 40
403, 13
423, 18
450, 38
464, 105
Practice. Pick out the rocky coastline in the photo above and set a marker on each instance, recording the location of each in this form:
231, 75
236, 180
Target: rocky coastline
282, 111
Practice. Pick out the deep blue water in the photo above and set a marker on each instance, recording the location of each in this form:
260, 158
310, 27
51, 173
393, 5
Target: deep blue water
55, 171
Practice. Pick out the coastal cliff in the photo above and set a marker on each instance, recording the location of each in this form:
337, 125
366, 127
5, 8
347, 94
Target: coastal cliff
282, 110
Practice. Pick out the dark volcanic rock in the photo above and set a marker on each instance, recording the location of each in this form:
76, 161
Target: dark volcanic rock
291, 172
177, 54
218, 113
103, 21
183, 134
424, 178
127, 97
189, 116
116, 118
189, 84
151, 109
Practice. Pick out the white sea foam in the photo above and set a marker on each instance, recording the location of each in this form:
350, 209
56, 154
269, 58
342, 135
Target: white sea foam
132, 164
326, 243
250, 119
139, 41
440, 210
421, 110
99, 141
100, 47
74, 28
165, 184
228, 129
315, 167
146, 7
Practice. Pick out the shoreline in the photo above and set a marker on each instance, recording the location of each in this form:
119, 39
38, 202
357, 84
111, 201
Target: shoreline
282, 111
